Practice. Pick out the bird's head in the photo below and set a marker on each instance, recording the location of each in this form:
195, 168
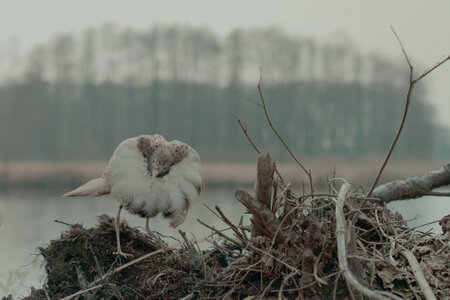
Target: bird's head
160, 163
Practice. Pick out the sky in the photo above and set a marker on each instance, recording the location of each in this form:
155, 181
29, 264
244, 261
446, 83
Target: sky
424, 26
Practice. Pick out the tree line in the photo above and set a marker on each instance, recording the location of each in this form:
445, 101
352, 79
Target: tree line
78, 95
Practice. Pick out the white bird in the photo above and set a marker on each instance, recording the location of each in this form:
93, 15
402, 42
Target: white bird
149, 175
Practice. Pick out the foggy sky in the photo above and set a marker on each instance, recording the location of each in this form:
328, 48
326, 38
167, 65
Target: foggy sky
424, 26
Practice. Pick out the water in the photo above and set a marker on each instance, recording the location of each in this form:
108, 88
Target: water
424, 210
28, 223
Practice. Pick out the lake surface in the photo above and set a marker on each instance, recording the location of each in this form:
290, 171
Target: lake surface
27, 222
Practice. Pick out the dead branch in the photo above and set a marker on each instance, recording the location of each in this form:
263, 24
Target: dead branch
264, 180
341, 232
261, 214
263, 103
412, 83
233, 241
413, 187
118, 269
418, 274
245, 130
79, 293
353, 262
239, 234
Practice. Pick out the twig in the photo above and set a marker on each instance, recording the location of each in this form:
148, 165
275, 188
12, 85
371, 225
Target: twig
82, 292
194, 256
46, 293
188, 297
64, 223
415, 186
433, 68
268, 287
341, 232
308, 173
118, 269
290, 267
418, 274
262, 216
438, 194
412, 83
237, 243
97, 264
232, 226
244, 129
316, 266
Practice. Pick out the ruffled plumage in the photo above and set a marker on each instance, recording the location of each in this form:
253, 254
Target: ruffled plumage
127, 177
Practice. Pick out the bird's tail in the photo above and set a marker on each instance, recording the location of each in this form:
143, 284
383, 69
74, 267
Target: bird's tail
95, 187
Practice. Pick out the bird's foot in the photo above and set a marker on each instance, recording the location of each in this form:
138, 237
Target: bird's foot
159, 243
123, 254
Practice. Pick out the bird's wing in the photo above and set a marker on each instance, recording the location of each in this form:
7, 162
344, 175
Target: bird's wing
95, 187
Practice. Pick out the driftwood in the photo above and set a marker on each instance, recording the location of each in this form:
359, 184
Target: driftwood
264, 184
341, 238
264, 220
264, 180
418, 274
413, 187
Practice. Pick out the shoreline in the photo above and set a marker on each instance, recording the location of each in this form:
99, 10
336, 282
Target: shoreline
360, 171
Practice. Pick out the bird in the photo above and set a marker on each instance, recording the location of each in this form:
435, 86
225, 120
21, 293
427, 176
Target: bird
149, 175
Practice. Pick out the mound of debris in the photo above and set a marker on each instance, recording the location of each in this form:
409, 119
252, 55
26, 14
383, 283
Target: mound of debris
295, 255
333, 245
83, 258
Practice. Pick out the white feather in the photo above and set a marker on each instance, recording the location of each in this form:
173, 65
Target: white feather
130, 181
95, 187
127, 179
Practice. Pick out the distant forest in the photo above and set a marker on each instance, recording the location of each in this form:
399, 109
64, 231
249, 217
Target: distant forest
78, 95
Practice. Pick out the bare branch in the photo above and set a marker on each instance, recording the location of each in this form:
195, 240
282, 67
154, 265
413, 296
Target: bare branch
262, 215
403, 48
414, 187
251, 101
418, 274
341, 232
281, 138
237, 243
412, 83
79, 293
432, 68
244, 129
264, 180
437, 194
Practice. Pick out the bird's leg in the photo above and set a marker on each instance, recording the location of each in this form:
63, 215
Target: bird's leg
117, 223
154, 236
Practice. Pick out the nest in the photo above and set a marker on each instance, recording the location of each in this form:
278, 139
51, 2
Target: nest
83, 258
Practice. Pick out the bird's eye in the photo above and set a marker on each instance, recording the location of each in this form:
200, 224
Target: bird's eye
144, 155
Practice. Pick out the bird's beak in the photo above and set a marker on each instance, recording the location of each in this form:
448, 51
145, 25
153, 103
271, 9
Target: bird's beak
153, 179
